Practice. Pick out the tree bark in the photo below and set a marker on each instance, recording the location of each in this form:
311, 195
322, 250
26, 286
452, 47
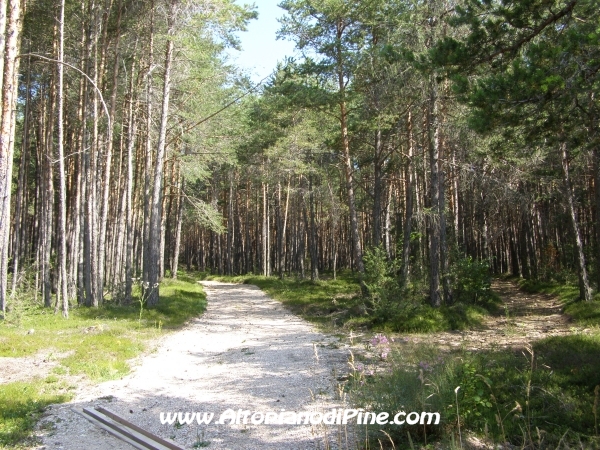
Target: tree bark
596, 168
19, 220
585, 291
378, 187
155, 212
180, 202
434, 220
314, 261
9, 102
108, 158
409, 193
62, 204
348, 162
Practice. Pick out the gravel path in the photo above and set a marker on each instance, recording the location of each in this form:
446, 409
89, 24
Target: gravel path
246, 351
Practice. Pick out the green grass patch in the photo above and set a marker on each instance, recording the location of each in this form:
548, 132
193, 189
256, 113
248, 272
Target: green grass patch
96, 342
531, 399
584, 313
22, 403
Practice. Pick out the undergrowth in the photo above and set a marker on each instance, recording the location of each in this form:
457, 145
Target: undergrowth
545, 397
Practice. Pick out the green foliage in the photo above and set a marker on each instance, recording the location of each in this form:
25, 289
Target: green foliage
503, 395
476, 398
380, 279
472, 281
405, 309
420, 317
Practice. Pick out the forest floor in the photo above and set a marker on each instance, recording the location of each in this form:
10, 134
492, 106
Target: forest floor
525, 317
247, 351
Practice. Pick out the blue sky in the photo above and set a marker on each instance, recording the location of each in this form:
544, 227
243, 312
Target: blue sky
260, 50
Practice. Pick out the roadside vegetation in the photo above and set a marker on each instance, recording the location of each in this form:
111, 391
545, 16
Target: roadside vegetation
95, 343
544, 396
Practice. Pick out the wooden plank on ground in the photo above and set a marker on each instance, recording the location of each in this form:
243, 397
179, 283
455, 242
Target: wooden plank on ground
127, 431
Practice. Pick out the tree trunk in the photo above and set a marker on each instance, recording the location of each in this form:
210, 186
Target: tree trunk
409, 192
131, 135
108, 159
155, 212
145, 245
180, 202
314, 264
378, 187
62, 203
596, 165
358, 256
265, 233
434, 220
9, 102
585, 292
19, 223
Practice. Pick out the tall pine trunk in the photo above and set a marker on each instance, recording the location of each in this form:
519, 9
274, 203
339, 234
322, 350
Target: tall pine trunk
585, 292
409, 194
62, 203
348, 170
154, 234
434, 218
9, 103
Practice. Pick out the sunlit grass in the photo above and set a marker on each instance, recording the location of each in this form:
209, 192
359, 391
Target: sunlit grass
95, 342
22, 402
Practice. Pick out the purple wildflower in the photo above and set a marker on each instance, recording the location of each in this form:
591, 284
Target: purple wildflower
424, 366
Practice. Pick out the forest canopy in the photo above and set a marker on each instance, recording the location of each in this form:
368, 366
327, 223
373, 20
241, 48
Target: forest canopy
426, 144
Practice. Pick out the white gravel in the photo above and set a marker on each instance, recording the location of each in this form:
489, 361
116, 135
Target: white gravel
247, 351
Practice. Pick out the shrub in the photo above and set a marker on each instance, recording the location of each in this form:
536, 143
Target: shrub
471, 281
384, 291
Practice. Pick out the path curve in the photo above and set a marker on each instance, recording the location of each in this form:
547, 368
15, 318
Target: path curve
525, 317
246, 351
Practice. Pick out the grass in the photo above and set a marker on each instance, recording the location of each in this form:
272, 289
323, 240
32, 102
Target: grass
20, 405
419, 317
584, 313
538, 399
97, 343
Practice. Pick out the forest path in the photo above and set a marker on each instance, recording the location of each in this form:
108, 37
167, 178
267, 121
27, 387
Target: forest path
525, 318
246, 351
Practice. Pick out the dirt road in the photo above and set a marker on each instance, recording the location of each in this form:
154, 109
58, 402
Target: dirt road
246, 352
